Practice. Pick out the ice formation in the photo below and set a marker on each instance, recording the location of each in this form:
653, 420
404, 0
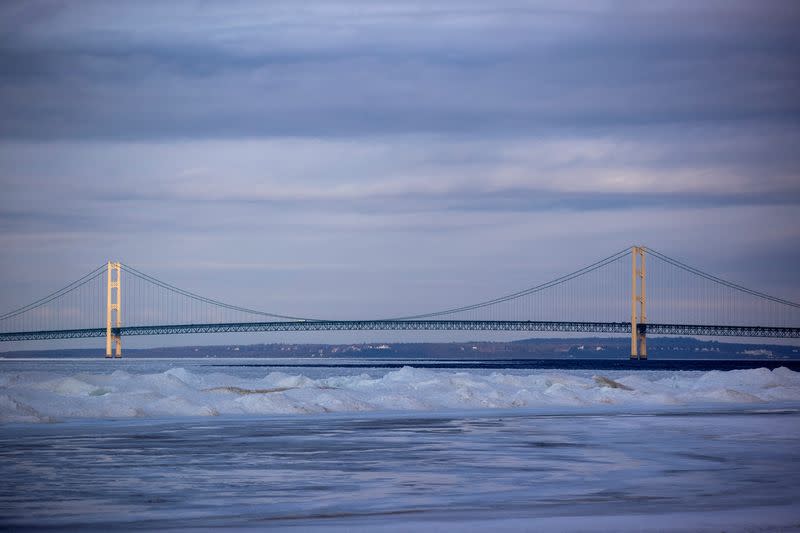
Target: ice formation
46, 396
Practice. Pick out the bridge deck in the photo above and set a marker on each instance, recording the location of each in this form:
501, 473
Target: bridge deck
414, 325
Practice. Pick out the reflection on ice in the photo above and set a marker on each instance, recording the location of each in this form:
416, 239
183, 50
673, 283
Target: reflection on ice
408, 471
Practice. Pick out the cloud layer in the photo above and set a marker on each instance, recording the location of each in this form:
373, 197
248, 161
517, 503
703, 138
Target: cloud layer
427, 144
143, 70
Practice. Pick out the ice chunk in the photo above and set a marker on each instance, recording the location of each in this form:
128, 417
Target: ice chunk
606, 382
40, 396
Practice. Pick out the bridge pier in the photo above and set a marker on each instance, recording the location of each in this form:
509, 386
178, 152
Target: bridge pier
113, 310
638, 304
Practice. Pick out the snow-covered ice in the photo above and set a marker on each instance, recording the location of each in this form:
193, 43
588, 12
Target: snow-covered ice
42, 396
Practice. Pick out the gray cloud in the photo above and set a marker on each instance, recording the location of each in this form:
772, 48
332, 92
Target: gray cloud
353, 69
400, 152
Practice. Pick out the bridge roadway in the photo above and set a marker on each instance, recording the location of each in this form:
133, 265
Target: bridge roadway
414, 325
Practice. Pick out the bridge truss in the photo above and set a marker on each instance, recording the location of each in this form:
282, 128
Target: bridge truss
414, 325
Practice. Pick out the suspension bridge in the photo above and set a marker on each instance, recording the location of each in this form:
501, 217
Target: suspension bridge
637, 291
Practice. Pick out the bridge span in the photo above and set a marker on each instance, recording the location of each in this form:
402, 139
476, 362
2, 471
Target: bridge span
413, 325
688, 302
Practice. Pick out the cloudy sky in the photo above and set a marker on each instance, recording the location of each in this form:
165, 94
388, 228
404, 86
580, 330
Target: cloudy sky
372, 158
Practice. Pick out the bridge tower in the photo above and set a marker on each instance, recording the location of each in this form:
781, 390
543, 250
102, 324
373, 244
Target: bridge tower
114, 320
638, 304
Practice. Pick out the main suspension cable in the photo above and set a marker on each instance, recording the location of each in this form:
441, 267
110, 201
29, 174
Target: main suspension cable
715, 279
552, 283
57, 294
203, 299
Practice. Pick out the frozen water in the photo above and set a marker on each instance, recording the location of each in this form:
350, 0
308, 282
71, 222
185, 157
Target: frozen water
507, 470
47, 395
179, 445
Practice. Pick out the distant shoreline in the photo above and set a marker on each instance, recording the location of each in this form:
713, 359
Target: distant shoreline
557, 349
